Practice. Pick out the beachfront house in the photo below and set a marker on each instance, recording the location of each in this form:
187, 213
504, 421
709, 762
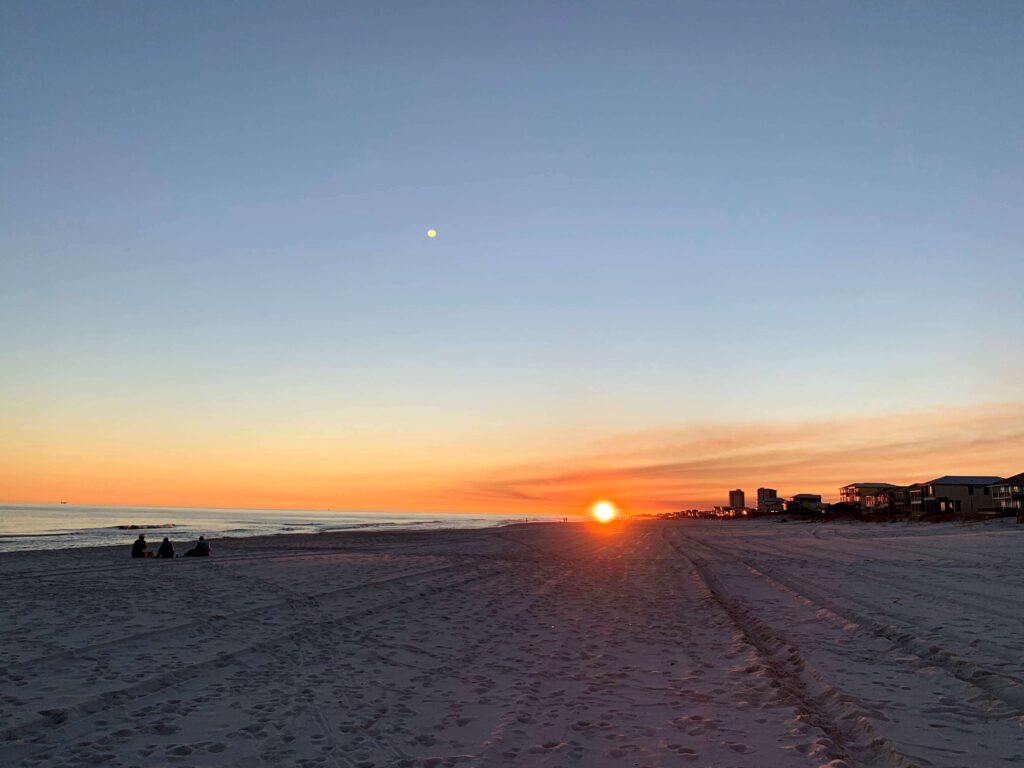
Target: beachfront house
806, 504
889, 502
1008, 497
857, 493
768, 502
966, 495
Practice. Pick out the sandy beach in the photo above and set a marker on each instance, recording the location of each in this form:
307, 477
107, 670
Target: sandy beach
638, 644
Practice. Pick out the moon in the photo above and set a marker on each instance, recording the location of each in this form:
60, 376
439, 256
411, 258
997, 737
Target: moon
431, 233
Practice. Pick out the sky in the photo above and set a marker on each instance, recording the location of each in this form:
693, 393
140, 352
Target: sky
682, 247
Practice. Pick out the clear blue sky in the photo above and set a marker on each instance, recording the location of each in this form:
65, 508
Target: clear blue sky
649, 213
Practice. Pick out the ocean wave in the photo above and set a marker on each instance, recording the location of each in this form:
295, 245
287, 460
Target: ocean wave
357, 526
105, 526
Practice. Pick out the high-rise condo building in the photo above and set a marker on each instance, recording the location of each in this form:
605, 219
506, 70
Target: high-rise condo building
737, 500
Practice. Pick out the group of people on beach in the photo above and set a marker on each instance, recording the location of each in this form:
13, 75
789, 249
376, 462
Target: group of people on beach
166, 550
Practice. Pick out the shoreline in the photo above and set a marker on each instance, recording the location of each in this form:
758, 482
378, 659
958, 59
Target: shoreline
231, 542
66, 528
246, 542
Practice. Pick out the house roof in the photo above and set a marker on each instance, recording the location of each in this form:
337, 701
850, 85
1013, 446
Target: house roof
1015, 480
869, 485
965, 480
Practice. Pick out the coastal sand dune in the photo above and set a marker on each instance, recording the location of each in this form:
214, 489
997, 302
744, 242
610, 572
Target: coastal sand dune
641, 644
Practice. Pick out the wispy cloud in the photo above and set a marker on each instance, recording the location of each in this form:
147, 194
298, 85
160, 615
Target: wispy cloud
698, 463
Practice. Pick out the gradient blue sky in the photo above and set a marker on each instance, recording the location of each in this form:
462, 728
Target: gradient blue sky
651, 215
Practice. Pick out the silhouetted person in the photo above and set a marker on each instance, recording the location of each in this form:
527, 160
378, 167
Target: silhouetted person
201, 549
166, 548
140, 546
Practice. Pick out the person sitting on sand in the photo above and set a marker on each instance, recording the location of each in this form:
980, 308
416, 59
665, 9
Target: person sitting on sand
140, 546
166, 548
201, 549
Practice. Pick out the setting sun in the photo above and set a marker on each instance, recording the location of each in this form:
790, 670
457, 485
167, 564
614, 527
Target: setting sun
604, 511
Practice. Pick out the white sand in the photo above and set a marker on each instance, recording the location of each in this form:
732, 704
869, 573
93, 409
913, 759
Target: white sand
655, 644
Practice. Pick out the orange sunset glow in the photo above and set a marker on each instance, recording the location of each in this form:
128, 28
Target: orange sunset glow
196, 461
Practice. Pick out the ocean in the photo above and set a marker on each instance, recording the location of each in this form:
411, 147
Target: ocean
37, 526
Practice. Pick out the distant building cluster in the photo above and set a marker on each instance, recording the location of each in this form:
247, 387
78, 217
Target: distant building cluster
949, 497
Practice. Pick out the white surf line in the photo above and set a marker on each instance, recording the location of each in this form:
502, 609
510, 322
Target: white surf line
61, 719
999, 685
824, 706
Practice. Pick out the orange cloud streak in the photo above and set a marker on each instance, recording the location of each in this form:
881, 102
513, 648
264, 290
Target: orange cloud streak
695, 466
